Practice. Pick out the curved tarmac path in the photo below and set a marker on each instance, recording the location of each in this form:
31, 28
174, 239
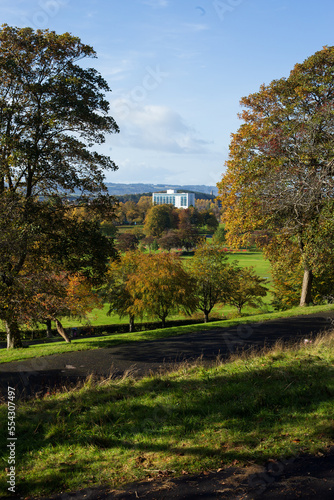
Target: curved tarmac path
37, 376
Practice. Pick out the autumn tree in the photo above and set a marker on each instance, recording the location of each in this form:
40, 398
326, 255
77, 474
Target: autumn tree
189, 238
161, 286
144, 204
188, 220
56, 243
127, 241
63, 294
118, 291
52, 111
210, 270
131, 212
160, 218
170, 239
245, 287
280, 171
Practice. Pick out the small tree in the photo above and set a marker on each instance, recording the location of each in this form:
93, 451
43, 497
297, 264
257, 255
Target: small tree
189, 238
161, 286
219, 237
210, 270
127, 241
210, 221
65, 295
246, 288
169, 240
159, 218
118, 292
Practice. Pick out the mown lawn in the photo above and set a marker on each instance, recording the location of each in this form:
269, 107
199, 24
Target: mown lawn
251, 409
255, 259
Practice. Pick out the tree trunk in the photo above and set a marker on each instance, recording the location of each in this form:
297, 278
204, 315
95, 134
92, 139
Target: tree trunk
206, 316
61, 330
163, 322
306, 296
48, 328
131, 324
13, 335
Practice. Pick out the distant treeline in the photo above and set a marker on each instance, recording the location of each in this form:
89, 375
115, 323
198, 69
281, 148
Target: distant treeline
136, 197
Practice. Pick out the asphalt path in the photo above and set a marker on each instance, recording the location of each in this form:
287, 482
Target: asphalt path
40, 375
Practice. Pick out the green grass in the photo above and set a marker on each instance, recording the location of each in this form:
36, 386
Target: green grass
252, 409
47, 349
128, 228
254, 259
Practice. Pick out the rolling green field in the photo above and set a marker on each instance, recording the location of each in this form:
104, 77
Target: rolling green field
254, 259
255, 407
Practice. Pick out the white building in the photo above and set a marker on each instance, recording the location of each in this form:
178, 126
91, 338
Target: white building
179, 200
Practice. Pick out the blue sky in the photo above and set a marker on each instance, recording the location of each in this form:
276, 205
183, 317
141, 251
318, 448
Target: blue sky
178, 68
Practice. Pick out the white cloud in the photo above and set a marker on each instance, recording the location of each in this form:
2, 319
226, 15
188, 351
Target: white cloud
195, 28
156, 128
140, 171
156, 4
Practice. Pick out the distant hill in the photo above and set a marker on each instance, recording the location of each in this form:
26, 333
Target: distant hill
122, 189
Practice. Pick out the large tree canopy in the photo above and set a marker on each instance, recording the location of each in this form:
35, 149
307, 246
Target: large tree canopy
280, 171
52, 112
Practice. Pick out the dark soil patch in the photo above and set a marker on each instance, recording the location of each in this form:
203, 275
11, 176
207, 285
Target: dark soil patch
297, 478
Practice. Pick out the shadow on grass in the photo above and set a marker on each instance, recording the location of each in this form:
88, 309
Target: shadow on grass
203, 415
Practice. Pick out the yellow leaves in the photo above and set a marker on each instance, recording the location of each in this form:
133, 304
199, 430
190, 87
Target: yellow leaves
154, 287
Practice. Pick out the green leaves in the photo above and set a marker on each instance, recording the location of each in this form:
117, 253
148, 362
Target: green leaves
209, 269
52, 111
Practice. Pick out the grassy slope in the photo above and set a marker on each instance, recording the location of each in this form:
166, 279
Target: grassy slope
252, 409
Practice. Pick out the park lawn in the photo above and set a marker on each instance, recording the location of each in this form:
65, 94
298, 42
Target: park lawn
250, 410
98, 317
128, 228
255, 259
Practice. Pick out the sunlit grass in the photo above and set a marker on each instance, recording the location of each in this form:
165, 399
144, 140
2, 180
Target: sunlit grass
253, 408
